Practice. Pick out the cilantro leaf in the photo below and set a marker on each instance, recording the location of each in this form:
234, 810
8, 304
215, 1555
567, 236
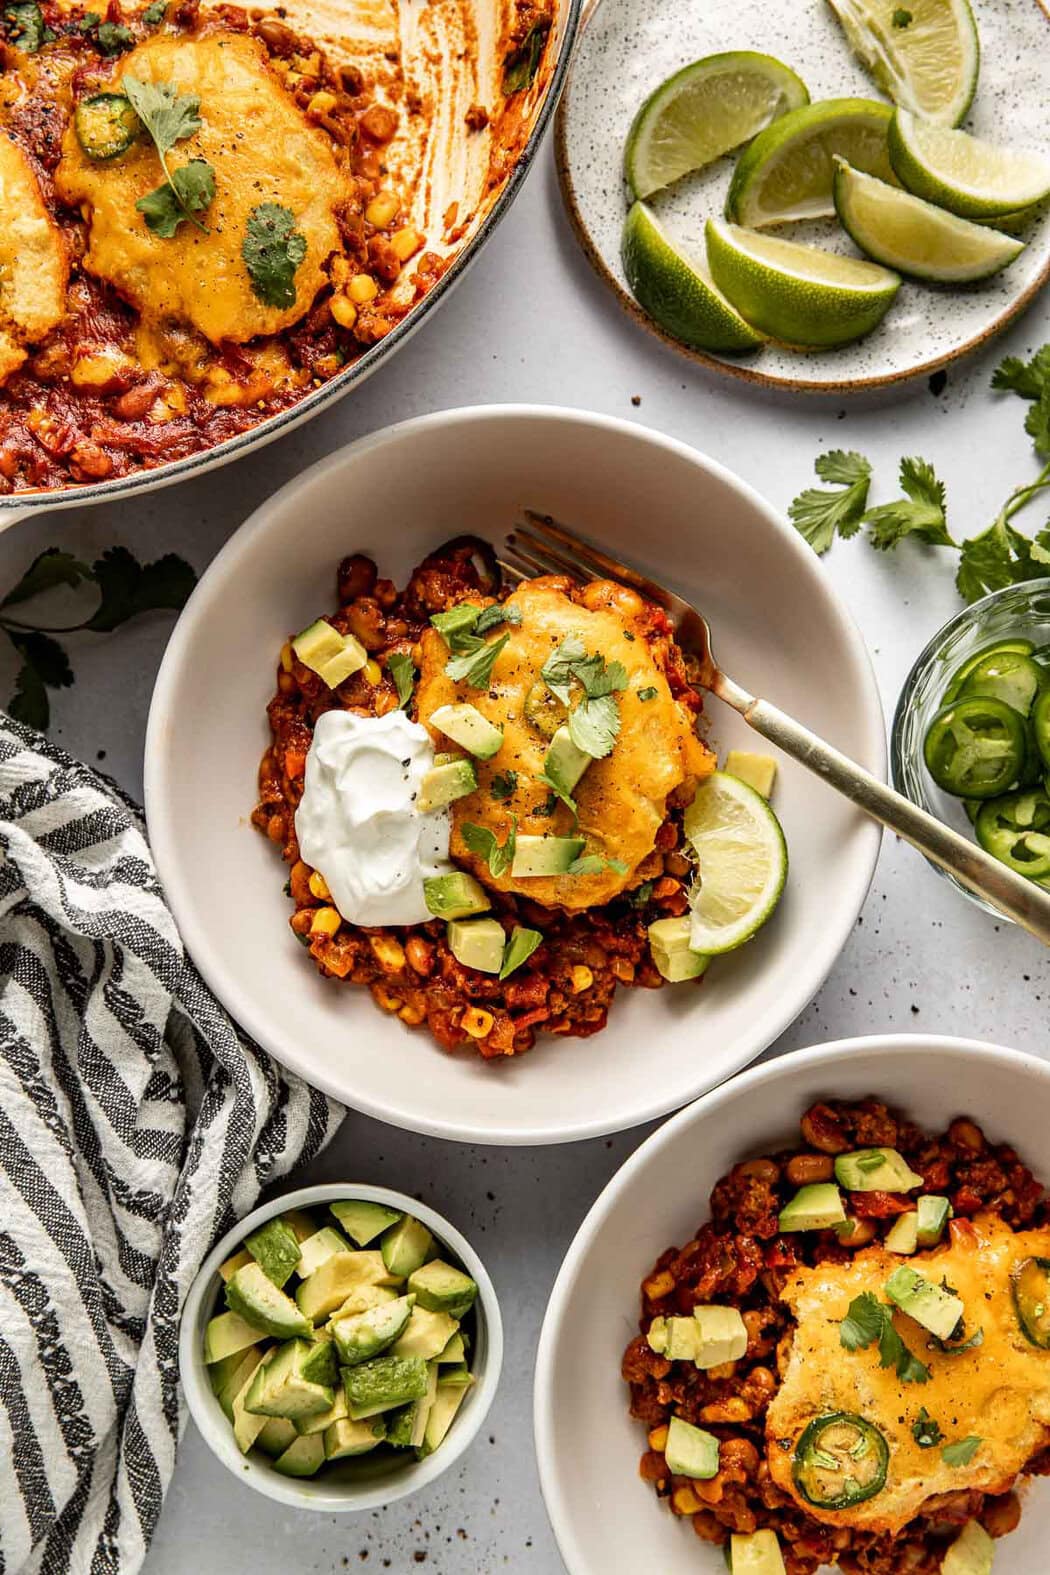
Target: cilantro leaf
29, 703
641, 894
1037, 423
171, 117
128, 587
965, 1345
594, 724
962, 1453
1000, 556
45, 656
863, 1322
559, 669
481, 841
595, 864
497, 613
649, 693
272, 250
155, 13
600, 678
89, 20
476, 665
521, 65
114, 38
191, 188
168, 115
25, 27
401, 669
504, 784
925, 1431
519, 949
818, 513
49, 569
1026, 378
921, 513
557, 792
901, 17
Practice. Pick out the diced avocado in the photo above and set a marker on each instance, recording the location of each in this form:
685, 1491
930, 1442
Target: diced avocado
277, 1436
477, 943
226, 1334
690, 1452
440, 1288
319, 1365
816, 1207
239, 1381
447, 1402
324, 1419
849, 1228
930, 1305
253, 1295
723, 1336
903, 1235
329, 654
757, 1553
228, 1269
247, 1425
329, 1286
459, 1373
466, 726
758, 771
455, 896
564, 763
221, 1372
934, 1214
301, 1222
676, 1338
442, 785
455, 1350
972, 1552
360, 1338
672, 954
875, 1170
428, 1335
362, 1221
346, 1437
383, 1384
405, 1427
319, 1247
545, 855
275, 1247
278, 1388
360, 1300
304, 1458
406, 1246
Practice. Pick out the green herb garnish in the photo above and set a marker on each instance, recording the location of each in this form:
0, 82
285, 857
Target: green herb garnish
869, 1320
114, 39
498, 856
170, 117
272, 250
189, 190
649, 693
641, 894
519, 949
25, 26
902, 18
475, 666
504, 784
402, 671
925, 1431
462, 626
962, 1453
521, 65
155, 13
595, 864
595, 722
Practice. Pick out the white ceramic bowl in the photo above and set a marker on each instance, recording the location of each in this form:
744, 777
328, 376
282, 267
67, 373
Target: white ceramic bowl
368, 1481
588, 1448
777, 624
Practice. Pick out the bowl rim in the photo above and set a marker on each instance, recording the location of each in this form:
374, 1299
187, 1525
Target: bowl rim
414, 1475
275, 515
891, 1046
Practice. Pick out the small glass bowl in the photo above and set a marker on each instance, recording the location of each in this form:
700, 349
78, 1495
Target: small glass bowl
1016, 612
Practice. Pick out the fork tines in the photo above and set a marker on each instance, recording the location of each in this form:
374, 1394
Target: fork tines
543, 546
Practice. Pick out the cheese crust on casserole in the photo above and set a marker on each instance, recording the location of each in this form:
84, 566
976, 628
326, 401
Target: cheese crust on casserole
997, 1391
34, 261
262, 149
622, 799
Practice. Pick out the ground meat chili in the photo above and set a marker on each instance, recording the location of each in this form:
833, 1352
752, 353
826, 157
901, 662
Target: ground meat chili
738, 1258
568, 983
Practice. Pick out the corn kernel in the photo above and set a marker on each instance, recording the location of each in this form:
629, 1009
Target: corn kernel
582, 979
319, 886
389, 1003
406, 242
344, 311
658, 1438
372, 671
325, 921
412, 1015
362, 288
287, 656
658, 1285
382, 210
685, 1501
476, 1022
321, 103
390, 954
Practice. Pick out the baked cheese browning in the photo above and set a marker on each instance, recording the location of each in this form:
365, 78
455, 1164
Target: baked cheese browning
622, 799
34, 261
262, 149
997, 1391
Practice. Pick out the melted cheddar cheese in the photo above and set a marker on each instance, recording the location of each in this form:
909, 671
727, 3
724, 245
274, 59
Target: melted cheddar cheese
998, 1391
622, 799
262, 150
34, 261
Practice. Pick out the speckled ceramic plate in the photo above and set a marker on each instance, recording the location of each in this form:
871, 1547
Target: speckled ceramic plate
628, 47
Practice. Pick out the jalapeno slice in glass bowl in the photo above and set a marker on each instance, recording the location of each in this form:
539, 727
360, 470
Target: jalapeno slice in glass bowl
840, 1460
1030, 1282
1041, 727
1015, 829
976, 747
960, 675
1010, 676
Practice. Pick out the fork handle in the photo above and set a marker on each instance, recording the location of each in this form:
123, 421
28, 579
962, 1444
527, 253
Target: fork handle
1019, 899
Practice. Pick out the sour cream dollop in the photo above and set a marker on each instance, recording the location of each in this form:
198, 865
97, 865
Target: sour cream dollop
358, 824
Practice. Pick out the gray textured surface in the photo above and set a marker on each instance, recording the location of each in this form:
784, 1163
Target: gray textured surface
531, 322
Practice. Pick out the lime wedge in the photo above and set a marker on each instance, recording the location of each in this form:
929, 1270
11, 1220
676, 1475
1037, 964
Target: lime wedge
924, 54
913, 236
972, 178
787, 172
677, 292
743, 863
798, 294
703, 111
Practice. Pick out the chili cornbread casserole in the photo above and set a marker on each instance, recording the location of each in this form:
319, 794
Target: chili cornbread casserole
199, 224
481, 791
849, 1364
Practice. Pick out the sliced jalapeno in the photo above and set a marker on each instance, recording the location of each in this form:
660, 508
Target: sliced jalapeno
1010, 676
106, 125
1015, 829
1030, 1280
976, 747
963, 672
1041, 727
544, 710
840, 1460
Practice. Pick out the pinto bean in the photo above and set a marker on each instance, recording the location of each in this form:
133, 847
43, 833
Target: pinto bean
803, 1169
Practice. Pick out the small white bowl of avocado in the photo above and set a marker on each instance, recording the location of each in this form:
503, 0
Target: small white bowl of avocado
340, 1347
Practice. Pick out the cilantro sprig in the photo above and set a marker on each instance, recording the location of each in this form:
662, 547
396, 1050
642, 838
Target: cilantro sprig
869, 1321
926, 1431
961, 1453
475, 665
170, 117
998, 556
403, 672
499, 856
272, 250
24, 26
595, 722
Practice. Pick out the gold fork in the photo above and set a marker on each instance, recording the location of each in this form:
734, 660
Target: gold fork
542, 546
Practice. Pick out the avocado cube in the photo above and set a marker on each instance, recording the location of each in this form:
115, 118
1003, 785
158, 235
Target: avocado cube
324, 1419
690, 1451
441, 1288
363, 1221
383, 1384
274, 1246
722, 1336
279, 1388
757, 1553
319, 1365
477, 943
253, 1295
276, 1436
466, 726
304, 1458
455, 896
545, 855
329, 654
903, 1235
427, 1335
226, 1334
361, 1299
933, 1215
247, 1425
443, 784
405, 1428
669, 943
318, 1248
972, 1552
676, 1338
330, 1285
239, 1380
930, 1305
360, 1338
221, 1372
875, 1170
816, 1207
228, 1269
301, 1222
564, 763
455, 1350
405, 1246
758, 771
346, 1437
449, 1398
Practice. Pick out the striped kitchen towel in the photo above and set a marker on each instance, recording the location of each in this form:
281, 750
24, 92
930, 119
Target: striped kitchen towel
136, 1124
